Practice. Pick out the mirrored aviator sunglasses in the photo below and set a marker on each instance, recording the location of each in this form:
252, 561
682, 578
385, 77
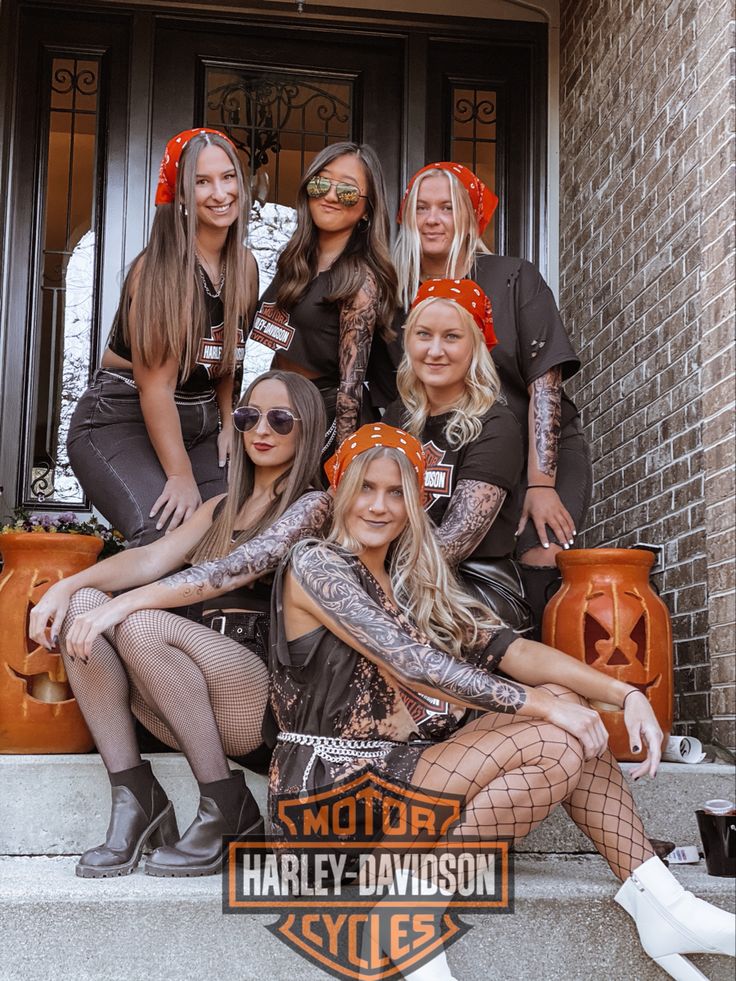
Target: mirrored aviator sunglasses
281, 421
347, 194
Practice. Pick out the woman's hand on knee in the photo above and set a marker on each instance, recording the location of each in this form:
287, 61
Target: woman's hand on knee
542, 505
582, 722
88, 626
178, 501
644, 731
48, 614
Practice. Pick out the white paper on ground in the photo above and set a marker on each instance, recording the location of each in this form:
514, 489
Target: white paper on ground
683, 749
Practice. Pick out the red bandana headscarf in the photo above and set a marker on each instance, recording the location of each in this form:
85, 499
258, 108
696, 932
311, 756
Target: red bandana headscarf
166, 187
375, 434
484, 201
468, 295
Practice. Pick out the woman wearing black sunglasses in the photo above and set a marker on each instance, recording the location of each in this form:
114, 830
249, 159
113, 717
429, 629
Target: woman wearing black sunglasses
334, 293
200, 687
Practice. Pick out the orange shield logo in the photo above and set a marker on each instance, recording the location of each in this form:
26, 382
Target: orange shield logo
368, 876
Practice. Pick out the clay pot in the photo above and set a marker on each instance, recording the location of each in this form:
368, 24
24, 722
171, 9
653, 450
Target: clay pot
607, 615
38, 713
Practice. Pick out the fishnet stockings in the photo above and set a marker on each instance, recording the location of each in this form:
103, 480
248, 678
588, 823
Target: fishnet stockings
514, 772
196, 690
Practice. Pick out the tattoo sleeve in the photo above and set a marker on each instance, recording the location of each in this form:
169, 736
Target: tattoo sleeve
304, 519
545, 407
471, 512
357, 323
328, 579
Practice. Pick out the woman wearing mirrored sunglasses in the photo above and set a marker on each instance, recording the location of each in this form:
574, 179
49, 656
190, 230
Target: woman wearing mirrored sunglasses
199, 684
333, 297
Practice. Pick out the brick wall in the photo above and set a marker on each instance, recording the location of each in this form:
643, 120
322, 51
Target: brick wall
646, 289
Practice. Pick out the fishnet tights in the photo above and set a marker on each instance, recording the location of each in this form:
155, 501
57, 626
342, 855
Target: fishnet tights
514, 772
194, 689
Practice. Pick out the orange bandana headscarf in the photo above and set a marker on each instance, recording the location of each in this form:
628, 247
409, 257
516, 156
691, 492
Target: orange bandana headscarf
375, 434
166, 187
484, 201
468, 295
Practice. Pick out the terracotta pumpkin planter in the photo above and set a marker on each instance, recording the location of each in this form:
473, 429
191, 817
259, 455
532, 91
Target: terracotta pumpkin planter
607, 615
38, 713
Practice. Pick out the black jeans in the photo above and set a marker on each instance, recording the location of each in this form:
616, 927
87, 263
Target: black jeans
114, 461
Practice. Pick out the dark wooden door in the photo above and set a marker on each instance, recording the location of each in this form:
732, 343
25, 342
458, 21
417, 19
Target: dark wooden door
281, 95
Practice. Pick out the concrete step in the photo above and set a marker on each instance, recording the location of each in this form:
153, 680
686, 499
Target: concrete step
565, 927
59, 805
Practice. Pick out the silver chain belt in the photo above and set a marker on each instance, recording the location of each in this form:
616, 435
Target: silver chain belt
335, 750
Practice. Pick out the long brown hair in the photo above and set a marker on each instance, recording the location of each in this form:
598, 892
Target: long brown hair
368, 245
170, 296
306, 403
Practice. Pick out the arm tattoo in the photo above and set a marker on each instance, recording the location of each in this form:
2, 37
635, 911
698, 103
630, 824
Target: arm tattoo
546, 407
328, 579
472, 510
357, 323
253, 559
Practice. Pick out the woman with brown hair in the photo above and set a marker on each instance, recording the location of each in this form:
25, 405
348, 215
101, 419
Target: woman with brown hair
370, 625
150, 438
333, 295
198, 683
446, 209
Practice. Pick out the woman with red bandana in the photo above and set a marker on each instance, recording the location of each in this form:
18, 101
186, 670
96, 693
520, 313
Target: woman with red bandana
150, 438
449, 399
375, 656
445, 211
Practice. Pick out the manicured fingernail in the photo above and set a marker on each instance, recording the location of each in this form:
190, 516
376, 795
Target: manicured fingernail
159, 526
545, 544
54, 639
151, 514
222, 463
572, 541
636, 749
566, 546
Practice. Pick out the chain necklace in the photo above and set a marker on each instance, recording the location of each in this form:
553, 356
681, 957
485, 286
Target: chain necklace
205, 286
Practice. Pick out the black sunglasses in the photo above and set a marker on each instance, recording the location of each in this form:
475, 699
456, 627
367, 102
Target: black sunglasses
281, 421
347, 194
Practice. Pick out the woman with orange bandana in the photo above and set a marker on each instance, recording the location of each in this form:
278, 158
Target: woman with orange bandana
446, 209
150, 438
376, 656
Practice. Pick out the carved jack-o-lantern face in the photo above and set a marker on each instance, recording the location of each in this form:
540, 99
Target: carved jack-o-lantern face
616, 634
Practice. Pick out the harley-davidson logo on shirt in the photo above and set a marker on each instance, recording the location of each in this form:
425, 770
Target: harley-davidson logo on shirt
271, 327
437, 475
210, 348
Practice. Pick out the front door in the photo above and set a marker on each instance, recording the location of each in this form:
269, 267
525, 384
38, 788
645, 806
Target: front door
96, 98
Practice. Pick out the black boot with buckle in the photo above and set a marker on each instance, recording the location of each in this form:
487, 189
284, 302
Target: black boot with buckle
226, 807
141, 815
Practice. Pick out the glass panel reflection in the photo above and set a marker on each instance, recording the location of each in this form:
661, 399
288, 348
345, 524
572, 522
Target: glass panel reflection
473, 139
67, 274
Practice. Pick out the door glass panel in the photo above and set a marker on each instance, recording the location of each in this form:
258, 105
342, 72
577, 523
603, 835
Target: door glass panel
473, 138
66, 277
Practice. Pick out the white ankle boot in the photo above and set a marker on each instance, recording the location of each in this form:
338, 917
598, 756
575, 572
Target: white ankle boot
672, 921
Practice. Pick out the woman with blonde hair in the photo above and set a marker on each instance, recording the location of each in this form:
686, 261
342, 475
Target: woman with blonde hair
333, 298
197, 681
150, 438
370, 623
446, 209
449, 398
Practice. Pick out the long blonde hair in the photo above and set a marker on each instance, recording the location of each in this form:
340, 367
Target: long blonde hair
303, 474
482, 384
172, 309
466, 242
423, 585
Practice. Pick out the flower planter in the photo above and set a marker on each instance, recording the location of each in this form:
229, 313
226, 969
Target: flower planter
607, 615
38, 713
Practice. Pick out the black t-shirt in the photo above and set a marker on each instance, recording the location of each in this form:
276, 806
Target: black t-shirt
496, 457
531, 336
308, 334
201, 379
